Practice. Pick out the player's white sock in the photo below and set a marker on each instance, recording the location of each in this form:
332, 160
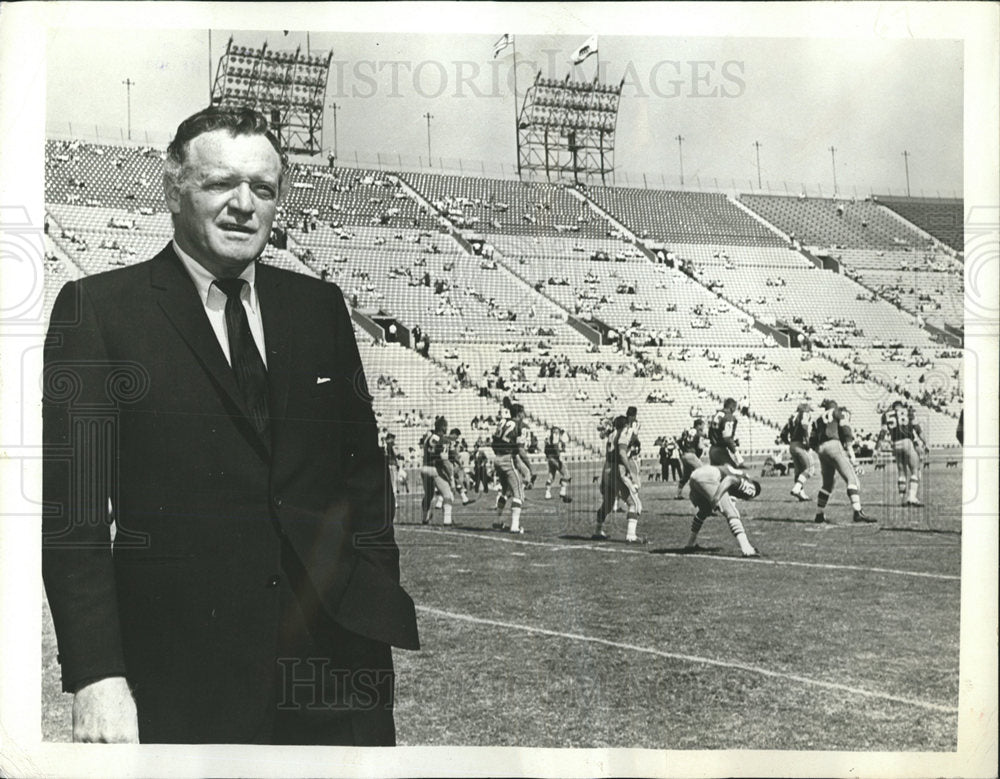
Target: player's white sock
563, 489
633, 523
440, 502
447, 513
852, 493
741, 535
548, 492
914, 486
515, 517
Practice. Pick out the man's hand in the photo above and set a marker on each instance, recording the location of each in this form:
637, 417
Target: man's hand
104, 713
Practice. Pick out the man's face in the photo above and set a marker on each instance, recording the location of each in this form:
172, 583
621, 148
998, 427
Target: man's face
225, 201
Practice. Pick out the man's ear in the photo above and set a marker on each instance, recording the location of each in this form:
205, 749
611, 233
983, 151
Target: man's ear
171, 193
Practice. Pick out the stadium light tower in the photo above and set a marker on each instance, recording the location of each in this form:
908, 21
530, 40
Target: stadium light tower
680, 154
428, 116
833, 158
906, 164
129, 83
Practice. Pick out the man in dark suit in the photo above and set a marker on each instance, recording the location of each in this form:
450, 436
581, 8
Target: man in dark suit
216, 410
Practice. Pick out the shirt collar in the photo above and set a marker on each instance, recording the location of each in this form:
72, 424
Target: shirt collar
203, 279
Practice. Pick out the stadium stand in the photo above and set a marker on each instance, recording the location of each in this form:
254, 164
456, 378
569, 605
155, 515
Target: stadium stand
508, 207
686, 217
825, 222
941, 217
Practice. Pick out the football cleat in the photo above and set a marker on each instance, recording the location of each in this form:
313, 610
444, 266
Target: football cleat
801, 496
638, 541
600, 535
566, 498
499, 526
860, 516
518, 532
692, 549
820, 519
754, 553
913, 503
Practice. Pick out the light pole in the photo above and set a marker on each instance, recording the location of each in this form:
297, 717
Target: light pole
680, 154
428, 116
335, 107
833, 158
128, 97
757, 147
906, 164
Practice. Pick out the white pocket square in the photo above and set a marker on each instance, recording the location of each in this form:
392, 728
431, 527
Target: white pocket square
322, 379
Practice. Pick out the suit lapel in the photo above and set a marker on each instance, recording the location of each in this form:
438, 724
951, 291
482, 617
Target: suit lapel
178, 298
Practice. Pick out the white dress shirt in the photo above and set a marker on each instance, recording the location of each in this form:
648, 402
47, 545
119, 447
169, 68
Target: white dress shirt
214, 301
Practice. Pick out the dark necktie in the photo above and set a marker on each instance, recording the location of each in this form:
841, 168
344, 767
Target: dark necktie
251, 375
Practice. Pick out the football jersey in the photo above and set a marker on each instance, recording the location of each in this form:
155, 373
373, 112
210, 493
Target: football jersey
612, 447
900, 423
552, 445
829, 426
743, 488
690, 442
434, 446
507, 437
722, 429
631, 434
796, 429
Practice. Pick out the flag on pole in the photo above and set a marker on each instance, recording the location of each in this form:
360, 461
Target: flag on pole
589, 47
505, 41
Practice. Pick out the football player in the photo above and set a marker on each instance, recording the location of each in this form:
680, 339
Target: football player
899, 425
691, 443
435, 472
795, 433
554, 446
723, 443
830, 437
713, 488
616, 482
507, 448
459, 473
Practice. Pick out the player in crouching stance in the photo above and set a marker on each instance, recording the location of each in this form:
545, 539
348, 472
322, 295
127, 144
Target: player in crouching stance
899, 425
554, 447
435, 472
831, 439
617, 482
713, 487
507, 448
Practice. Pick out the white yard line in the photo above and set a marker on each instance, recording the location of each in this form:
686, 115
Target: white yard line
614, 549
687, 658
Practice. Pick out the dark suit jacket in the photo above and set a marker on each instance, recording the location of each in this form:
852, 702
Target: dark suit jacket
141, 407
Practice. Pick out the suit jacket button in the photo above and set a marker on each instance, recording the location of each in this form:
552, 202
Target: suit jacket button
273, 581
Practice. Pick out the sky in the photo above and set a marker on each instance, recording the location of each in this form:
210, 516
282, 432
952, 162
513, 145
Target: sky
869, 99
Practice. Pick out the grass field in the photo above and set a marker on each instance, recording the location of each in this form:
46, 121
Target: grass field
842, 637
